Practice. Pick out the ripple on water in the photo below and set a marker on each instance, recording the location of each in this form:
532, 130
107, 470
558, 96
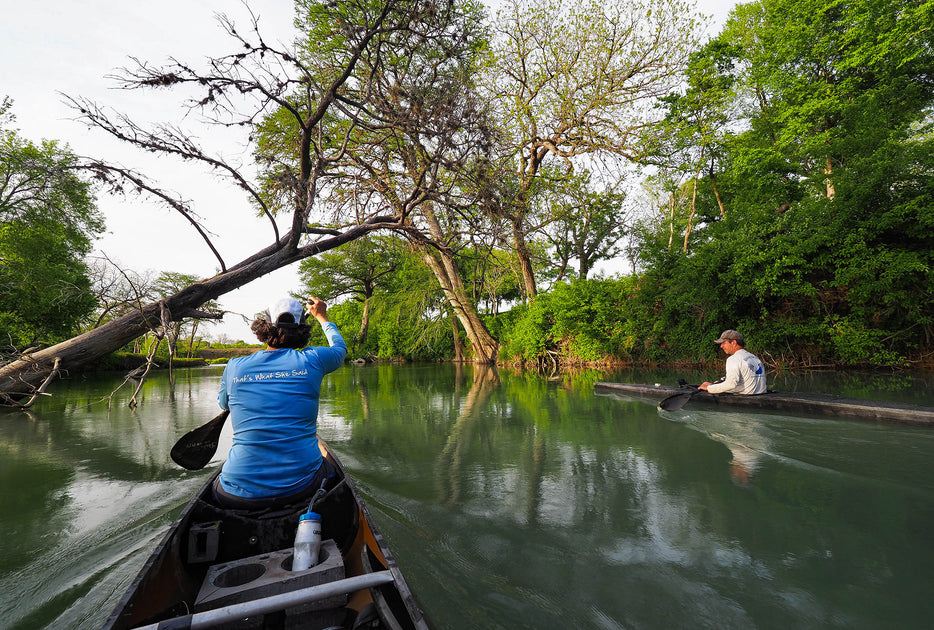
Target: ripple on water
80, 578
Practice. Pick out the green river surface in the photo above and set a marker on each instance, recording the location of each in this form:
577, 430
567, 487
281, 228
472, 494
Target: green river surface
512, 500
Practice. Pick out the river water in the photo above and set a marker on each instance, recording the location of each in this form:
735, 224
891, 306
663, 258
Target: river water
512, 500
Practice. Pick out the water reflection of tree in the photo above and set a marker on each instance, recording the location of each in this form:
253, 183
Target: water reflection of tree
82, 429
449, 466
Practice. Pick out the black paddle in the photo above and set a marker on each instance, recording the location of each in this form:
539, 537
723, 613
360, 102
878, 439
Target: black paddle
675, 402
196, 448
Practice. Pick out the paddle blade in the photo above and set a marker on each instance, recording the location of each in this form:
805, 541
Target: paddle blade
195, 449
673, 403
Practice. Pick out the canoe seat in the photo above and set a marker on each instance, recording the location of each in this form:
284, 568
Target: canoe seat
231, 534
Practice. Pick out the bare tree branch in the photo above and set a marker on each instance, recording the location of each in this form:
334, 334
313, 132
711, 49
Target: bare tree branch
239, 90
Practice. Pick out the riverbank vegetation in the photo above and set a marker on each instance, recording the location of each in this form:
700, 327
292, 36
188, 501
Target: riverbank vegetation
453, 198
788, 193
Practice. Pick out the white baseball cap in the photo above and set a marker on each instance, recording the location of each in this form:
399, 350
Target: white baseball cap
286, 306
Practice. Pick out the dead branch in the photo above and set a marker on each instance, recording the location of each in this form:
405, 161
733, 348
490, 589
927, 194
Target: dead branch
40, 391
106, 172
275, 81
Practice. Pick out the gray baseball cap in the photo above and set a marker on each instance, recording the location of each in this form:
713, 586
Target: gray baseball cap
727, 335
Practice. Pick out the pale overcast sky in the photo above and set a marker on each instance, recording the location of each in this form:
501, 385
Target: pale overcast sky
62, 46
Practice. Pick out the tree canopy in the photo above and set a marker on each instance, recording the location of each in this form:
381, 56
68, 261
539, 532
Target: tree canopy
238, 90
49, 222
823, 243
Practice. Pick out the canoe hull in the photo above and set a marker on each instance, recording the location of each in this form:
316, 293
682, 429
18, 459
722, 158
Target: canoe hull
213, 561
817, 405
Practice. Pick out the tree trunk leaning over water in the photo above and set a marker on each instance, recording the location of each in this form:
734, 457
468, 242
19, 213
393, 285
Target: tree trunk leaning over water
484, 347
417, 145
19, 378
238, 89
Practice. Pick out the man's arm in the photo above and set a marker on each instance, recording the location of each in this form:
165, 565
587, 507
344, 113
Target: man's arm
732, 380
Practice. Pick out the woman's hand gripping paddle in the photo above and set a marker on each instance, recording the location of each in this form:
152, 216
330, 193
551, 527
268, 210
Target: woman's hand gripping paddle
196, 448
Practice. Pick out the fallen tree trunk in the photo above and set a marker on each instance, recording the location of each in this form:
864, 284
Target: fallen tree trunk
20, 378
274, 82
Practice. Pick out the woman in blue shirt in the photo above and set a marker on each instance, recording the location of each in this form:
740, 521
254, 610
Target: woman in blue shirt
272, 396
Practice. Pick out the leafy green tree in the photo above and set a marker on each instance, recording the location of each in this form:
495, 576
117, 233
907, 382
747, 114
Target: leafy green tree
356, 270
812, 72
408, 316
571, 82
491, 273
826, 249
418, 321
588, 225
49, 220
576, 322
408, 149
690, 140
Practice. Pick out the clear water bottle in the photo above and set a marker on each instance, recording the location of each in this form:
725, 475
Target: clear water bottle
307, 541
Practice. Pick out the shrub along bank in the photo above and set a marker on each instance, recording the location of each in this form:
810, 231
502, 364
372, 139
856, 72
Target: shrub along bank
646, 321
639, 320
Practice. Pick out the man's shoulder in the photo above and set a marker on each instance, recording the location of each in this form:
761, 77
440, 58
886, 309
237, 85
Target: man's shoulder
755, 364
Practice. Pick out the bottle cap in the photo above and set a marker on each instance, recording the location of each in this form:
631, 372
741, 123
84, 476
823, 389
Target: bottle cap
309, 515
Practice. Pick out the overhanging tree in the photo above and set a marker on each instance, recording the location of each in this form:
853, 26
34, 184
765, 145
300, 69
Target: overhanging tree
237, 90
48, 221
408, 152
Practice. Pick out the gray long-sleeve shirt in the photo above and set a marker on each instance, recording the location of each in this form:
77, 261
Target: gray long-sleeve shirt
745, 374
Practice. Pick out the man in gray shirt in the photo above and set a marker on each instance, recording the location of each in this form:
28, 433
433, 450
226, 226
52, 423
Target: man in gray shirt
745, 373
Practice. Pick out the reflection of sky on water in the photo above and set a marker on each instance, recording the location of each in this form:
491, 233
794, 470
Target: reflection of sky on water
669, 532
93, 501
95, 535
688, 561
332, 427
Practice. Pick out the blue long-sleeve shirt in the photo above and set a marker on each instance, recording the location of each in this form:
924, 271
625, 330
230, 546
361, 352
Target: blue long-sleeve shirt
273, 400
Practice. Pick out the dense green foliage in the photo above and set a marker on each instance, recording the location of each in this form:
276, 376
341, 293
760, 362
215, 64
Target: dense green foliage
49, 219
825, 249
797, 177
405, 311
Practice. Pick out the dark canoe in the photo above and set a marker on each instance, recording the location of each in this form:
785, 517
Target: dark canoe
819, 405
231, 569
